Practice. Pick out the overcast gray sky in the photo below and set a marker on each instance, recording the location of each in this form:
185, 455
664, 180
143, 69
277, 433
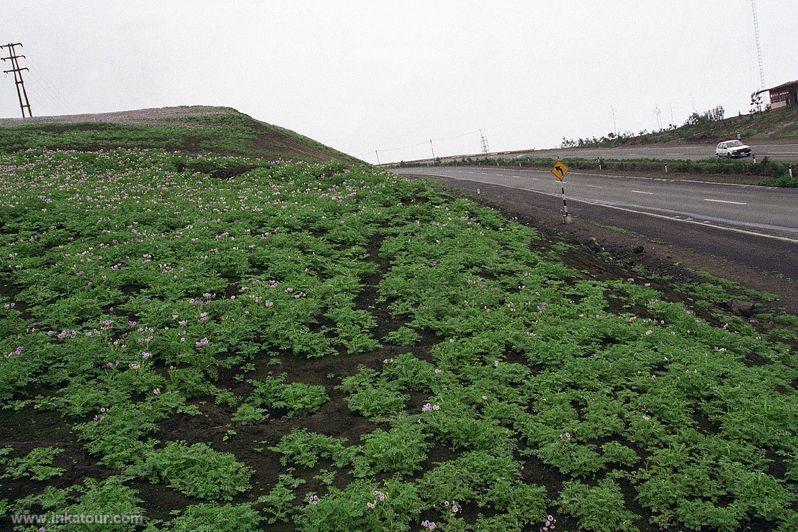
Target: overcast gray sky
366, 75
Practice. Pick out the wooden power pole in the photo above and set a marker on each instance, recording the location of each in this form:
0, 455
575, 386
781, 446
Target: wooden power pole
24, 103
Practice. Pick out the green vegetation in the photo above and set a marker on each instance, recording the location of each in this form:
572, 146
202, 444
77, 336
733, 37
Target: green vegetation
196, 470
219, 130
318, 347
36, 465
710, 126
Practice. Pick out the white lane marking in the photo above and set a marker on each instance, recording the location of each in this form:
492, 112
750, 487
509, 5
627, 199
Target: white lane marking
725, 201
618, 176
642, 192
591, 186
662, 216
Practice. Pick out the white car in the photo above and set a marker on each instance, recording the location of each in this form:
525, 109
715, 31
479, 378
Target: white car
732, 149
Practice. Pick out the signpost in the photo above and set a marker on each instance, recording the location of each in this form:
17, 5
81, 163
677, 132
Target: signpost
560, 170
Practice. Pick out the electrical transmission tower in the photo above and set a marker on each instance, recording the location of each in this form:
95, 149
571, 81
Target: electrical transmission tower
758, 46
484, 140
24, 103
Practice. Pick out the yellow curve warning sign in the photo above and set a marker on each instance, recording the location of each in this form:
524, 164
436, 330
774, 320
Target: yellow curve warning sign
560, 170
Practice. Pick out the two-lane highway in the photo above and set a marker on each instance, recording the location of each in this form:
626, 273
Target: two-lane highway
780, 149
759, 211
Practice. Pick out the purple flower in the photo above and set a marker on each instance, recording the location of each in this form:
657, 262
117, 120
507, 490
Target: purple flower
203, 317
145, 355
429, 525
202, 343
313, 499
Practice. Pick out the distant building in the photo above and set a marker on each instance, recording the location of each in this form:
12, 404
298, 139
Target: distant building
784, 95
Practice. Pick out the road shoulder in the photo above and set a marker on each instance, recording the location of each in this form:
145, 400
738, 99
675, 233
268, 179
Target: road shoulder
630, 239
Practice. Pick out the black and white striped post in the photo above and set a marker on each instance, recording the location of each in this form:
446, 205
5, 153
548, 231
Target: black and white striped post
560, 170
566, 216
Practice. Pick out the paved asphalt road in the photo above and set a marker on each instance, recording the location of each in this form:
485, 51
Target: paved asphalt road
767, 213
777, 149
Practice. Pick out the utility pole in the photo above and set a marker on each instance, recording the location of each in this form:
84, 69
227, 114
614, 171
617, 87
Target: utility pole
758, 46
484, 140
431, 147
378, 156
657, 112
24, 103
614, 125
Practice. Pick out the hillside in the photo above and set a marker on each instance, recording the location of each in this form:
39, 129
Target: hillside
780, 123
219, 130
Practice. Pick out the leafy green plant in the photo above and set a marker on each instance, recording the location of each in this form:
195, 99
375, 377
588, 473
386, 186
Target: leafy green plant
36, 465
599, 507
108, 498
304, 448
248, 413
364, 506
297, 398
372, 397
208, 517
197, 470
399, 450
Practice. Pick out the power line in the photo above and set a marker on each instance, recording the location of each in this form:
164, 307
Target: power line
22, 94
63, 106
424, 142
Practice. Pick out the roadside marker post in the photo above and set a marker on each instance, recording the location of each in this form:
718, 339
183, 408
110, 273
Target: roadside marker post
790, 172
559, 171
